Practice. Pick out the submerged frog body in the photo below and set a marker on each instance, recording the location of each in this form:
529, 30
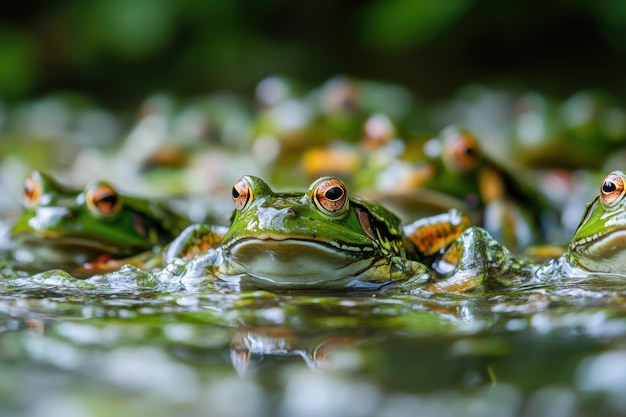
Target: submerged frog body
322, 238
88, 231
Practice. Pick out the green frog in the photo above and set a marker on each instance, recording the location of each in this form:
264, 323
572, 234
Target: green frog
421, 174
323, 238
597, 247
458, 166
598, 243
89, 231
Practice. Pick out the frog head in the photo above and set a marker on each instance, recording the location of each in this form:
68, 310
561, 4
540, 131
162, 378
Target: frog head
61, 226
599, 243
306, 239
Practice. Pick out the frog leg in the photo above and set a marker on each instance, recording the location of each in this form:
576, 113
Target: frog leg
467, 254
479, 260
195, 239
403, 273
407, 274
427, 236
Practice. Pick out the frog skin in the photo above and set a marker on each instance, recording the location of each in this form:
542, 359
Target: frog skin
419, 174
598, 244
88, 231
598, 247
322, 238
271, 239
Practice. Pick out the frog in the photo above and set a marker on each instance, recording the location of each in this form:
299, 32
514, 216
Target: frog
595, 249
324, 238
91, 230
454, 164
279, 239
597, 243
420, 174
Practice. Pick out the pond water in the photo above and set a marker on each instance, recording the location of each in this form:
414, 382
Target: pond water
135, 344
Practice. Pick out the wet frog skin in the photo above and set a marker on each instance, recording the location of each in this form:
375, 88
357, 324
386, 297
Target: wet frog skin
280, 239
598, 247
88, 231
322, 238
599, 243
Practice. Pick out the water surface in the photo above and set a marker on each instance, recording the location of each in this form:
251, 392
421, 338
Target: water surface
136, 344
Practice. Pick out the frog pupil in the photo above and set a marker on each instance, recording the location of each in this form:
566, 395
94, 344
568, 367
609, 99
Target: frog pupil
109, 199
334, 193
608, 187
236, 193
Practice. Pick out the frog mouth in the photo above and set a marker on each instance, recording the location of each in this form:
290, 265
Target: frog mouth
295, 261
602, 252
51, 249
266, 240
600, 242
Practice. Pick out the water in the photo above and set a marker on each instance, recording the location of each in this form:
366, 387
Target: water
136, 344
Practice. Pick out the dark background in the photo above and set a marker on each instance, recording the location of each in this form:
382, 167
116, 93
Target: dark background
119, 51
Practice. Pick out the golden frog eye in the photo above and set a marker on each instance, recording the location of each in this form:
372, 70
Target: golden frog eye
331, 197
32, 191
103, 200
242, 194
461, 152
612, 189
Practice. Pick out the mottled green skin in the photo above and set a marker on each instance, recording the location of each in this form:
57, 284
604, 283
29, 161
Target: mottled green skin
61, 230
597, 247
286, 238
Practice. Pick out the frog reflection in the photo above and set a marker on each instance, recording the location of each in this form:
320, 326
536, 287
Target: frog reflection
251, 346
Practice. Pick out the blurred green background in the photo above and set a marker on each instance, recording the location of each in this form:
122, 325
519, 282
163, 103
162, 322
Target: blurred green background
121, 50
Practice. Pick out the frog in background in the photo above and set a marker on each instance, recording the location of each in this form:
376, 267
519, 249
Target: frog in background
419, 175
89, 231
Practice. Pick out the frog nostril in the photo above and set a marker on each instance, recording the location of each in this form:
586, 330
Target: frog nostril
291, 212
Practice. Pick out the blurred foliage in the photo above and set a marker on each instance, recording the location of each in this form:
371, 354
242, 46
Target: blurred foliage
122, 50
399, 24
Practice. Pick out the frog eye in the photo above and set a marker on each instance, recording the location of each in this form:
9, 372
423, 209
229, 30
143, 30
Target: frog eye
242, 194
331, 196
612, 189
32, 191
461, 152
103, 200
